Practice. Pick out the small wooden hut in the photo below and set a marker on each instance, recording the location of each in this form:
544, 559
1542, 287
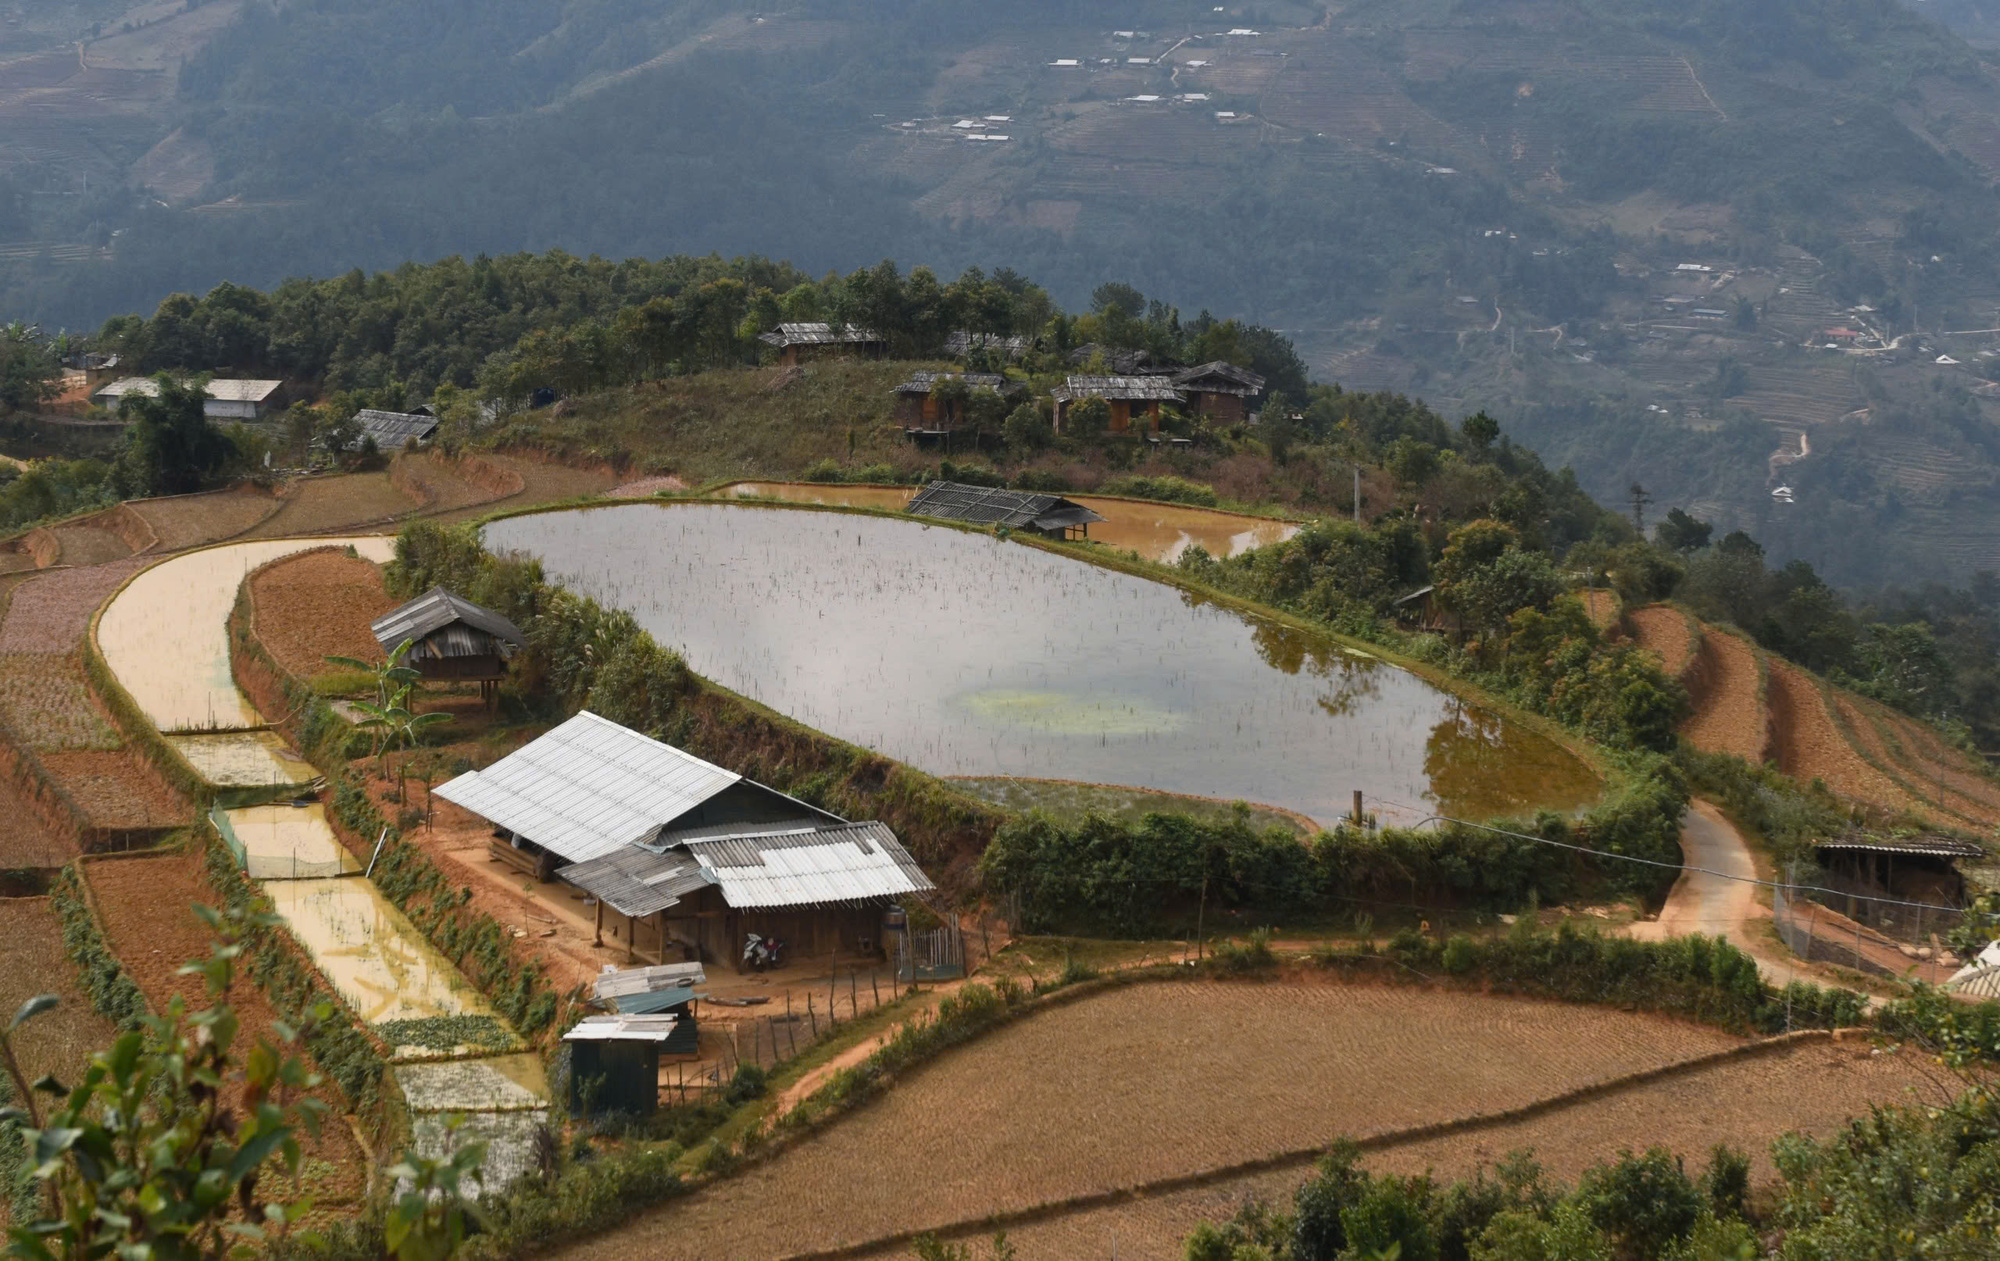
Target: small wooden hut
1220, 391
798, 343
454, 640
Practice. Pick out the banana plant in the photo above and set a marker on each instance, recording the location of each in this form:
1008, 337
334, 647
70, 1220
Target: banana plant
387, 675
390, 716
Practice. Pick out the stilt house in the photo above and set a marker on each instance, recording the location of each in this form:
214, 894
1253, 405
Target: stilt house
456, 641
688, 856
1220, 391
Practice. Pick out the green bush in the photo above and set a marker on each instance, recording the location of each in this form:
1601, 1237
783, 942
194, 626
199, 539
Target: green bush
1175, 490
1644, 1204
827, 470
100, 976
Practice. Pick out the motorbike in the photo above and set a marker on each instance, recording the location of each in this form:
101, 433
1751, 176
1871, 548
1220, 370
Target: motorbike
763, 952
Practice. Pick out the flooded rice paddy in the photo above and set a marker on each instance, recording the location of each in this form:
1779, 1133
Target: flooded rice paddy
246, 763
286, 842
1155, 531
966, 655
375, 958
166, 637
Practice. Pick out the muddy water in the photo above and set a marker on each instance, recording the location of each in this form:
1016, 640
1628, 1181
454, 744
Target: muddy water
1155, 531
377, 960
966, 655
246, 762
165, 635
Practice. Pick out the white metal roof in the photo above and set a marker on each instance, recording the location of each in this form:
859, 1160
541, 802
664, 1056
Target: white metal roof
588, 787
819, 865
1981, 977
622, 1029
222, 391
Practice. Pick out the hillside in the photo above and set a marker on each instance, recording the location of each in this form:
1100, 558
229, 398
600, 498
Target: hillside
1628, 229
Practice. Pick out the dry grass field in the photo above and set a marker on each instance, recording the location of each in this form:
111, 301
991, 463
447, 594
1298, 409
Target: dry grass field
117, 789
192, 520
1152, 1081
1667, 634
1747, 1103
316, 605
322, 504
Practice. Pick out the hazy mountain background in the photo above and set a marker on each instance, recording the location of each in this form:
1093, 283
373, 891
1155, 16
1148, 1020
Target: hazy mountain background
1489, 203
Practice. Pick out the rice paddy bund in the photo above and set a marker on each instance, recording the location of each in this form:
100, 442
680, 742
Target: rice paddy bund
962, 654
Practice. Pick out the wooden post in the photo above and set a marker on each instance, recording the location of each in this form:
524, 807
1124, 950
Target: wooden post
853, 1008
875, 983
600, 923
811, 1016
1358, 815
832, 983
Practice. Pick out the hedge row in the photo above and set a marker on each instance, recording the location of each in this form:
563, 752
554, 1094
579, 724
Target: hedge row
99, 974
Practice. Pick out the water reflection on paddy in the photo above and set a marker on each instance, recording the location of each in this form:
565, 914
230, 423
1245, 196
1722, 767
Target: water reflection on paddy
965, 655
1155, 531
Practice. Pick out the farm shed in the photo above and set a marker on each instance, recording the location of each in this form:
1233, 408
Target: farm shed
615, 1063
1129, 398
455, 639
797, 343
667, 989
227, 400
393, 430
686, 853
1921, 868
1221, 391
1015, 509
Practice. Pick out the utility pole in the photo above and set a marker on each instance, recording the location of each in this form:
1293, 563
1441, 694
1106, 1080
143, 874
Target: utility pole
1640, 498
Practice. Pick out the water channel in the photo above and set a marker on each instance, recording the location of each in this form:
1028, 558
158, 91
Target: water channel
962, 654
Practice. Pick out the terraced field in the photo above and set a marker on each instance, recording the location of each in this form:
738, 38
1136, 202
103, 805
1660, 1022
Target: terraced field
1206, 1073
1747, 1103
1668, 634
1730, 715
1811, 745
348, 501
192, 520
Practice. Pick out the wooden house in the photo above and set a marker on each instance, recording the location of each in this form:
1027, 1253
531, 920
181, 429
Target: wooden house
688, 856
799, 343
920, 407
1132, 399
455, 641
1220, 391
1051, 515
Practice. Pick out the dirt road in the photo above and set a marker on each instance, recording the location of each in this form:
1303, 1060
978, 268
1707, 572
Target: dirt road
1713, 896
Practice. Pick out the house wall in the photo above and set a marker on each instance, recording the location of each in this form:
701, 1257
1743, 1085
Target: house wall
704, 921
1230, 409
231, 409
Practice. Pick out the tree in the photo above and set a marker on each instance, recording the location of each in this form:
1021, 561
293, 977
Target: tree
1682, 533
1025, 428
1089, 418
146, 1156
1484, 577
29, 373
171, 448
1480, 430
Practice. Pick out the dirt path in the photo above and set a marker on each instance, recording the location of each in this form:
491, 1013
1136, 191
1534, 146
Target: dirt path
1729, 715
1714, 897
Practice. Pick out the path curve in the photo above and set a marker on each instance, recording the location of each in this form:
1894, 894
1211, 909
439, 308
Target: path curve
1717, 900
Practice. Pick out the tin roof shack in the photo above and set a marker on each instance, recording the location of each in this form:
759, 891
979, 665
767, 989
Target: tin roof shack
1220, 391
1129, 398
798, 343
615, 1063
454, 640
227, 400
668, 989
1905, 872
691, 857
1052, 515
393, 431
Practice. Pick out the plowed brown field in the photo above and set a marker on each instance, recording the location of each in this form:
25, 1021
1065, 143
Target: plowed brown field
1747, 1103
1970, 799
1930, 761
348, 501
117, 789
50, 612
1151, 1081
1812, 746
319, 604
1666, 633
1602, 607
32, 962
1729, 715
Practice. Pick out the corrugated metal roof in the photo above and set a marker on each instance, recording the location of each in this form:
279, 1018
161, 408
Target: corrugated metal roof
1981, 977
221, 391
1928, 846
818, 334
623, 1029
986, 505
1220, 377
1127, 389
622, 982
588, 788
637, 882
854, 862
925, 381
437, 610
392, 429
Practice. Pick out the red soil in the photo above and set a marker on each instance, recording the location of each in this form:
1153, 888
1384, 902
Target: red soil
1729, 715
318, 604
1667, 634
